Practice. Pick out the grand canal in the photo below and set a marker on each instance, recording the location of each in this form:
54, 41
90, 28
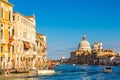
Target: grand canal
77, 72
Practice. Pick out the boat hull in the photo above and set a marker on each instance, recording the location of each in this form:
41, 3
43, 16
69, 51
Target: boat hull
107, 69
45, 72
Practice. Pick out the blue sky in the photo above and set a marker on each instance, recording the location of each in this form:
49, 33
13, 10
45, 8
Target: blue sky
65, 21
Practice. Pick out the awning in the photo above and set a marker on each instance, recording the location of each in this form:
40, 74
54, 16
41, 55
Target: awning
27, 45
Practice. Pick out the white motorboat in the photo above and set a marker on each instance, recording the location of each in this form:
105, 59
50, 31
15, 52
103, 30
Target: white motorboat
41, 72
107, 69
73, 64
45, 72
33, 71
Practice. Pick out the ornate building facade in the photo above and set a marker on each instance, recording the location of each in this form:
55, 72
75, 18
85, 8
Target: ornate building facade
21, 47
96, 55
6, 31
83, 54
24, 41
41, 46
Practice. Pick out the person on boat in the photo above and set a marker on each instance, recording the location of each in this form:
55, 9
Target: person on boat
46, 67
54, 65
50, 65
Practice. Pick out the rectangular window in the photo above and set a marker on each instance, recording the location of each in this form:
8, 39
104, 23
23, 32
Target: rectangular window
13, 18
1, 59
1, 31
8, 59
1, 49
21, 58
8, 50
12, 49
2, 13
9, 15
40, 44
37, 43
13, 31
18, 18
9, 32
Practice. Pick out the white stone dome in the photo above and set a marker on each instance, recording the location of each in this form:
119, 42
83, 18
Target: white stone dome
84, 45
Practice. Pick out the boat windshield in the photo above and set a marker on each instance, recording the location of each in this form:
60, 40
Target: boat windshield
108, 67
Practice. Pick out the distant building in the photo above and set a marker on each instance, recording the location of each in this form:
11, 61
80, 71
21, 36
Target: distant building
41, 46
103, 56
83, 54
63, 60
96, 55
97, 45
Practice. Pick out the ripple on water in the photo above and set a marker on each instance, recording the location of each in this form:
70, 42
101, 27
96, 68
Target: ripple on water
78, 72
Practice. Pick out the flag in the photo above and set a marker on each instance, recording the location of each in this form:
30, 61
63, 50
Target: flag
10, 41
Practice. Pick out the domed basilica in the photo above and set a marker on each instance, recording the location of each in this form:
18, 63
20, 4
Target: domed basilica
84, 44
97, 55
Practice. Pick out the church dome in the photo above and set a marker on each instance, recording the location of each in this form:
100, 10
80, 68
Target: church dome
84, 45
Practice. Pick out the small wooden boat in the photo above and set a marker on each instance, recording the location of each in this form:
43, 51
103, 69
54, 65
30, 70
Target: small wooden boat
107, 69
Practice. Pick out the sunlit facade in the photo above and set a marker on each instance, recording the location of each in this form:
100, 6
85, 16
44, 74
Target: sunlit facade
24, 42
6, 32
41, 50
96, 55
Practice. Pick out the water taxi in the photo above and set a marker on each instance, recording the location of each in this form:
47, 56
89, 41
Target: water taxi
73, 64
107, 69
41, 72
45, 72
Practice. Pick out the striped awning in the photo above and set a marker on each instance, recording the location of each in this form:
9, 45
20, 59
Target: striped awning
27, 45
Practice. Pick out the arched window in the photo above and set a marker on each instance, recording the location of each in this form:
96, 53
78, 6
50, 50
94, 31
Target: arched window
9, 15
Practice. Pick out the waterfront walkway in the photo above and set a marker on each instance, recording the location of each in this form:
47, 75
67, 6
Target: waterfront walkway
22, 76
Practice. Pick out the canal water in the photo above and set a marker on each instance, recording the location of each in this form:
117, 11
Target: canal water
77, 72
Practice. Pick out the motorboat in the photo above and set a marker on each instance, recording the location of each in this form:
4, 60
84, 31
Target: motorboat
45, 72
33, 71
41, 72
107, 69
73, 64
